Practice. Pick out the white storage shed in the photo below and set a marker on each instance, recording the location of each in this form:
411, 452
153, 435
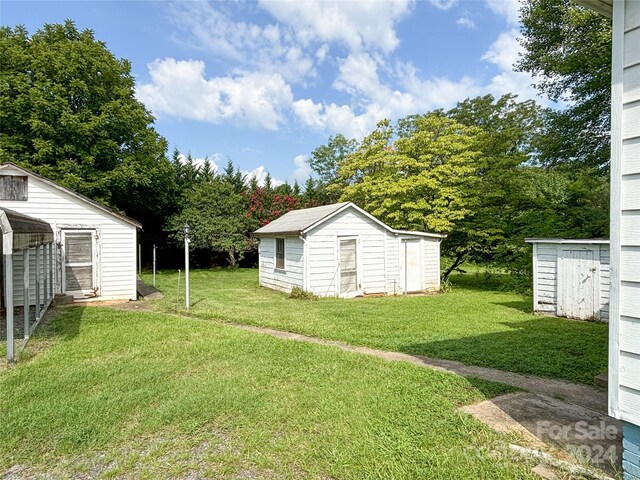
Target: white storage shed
340, 250
94, 248
571, 277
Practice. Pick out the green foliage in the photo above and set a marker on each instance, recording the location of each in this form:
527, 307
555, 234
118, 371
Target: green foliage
419, 182
216, 214
298, 293
568, 50
68, 111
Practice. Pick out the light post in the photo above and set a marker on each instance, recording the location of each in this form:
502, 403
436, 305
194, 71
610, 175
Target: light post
186, 264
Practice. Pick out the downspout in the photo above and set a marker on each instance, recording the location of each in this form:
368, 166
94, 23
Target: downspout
305, 261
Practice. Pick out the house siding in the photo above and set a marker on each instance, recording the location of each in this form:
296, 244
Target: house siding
293, 273
624, 359
116, 255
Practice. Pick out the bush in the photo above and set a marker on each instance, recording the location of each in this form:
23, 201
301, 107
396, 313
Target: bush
299, 294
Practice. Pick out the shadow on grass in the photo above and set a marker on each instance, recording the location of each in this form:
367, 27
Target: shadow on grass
545, 346
523, 306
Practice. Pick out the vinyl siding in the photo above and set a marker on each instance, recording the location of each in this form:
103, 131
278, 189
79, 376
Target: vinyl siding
292, 274
116, 247
625, 214
431, 263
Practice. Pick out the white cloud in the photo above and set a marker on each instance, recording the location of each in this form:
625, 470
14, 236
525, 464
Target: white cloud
214, 159
358, 25
268, 48
466, 21
504, 53
181, 89
444, 4
261, 174
509, 9
302, 170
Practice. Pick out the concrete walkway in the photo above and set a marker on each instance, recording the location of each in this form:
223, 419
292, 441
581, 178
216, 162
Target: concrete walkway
582, 395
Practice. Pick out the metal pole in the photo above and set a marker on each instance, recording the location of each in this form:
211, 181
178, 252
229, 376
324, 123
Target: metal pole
139, 259
186, 270
154, 265
52, 268
8, 291
37, 309
45, 274
26, 280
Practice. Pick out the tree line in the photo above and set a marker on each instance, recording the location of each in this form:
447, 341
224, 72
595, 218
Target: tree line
487, 173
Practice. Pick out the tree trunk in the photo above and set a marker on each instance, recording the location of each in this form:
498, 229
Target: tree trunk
232, 258
456, 263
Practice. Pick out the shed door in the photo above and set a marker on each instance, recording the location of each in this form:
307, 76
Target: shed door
412, 267
78, 251
348, 267
577, 283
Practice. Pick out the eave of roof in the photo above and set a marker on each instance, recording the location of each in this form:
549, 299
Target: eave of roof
586, 241
102, 207
603, 7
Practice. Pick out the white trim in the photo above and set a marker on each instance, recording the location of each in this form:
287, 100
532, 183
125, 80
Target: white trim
535, 277
284, 254
595, 241
370, 217
617, 69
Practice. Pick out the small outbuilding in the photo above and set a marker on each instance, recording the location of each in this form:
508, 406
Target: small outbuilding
340, 250
571, 277
93, 247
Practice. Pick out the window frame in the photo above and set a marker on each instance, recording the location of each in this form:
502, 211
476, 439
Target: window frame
282, 265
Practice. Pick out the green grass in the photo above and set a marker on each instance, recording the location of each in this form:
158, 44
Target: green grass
114, 393
474, 323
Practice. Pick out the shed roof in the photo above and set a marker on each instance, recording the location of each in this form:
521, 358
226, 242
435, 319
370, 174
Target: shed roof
21, 231
587, 241
301, 221
603, 7
98, 205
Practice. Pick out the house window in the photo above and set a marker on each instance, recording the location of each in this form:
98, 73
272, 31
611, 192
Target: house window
280, 253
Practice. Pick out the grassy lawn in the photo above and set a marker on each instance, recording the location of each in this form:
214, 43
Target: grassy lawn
473, 323
115, 393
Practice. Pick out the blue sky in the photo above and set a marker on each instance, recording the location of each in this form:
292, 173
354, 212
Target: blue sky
264, 83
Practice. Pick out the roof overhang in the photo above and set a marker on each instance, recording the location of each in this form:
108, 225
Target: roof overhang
603, 7
20, 232
584, 241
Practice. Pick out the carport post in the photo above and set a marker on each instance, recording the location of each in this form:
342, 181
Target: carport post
8, 303
25, 302
37, 309
52, 269
45, 272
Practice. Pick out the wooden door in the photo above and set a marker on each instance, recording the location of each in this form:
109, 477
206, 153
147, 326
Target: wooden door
578, 283
78, 250
411, 260
348, 267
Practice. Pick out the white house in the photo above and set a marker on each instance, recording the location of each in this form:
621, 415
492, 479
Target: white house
624, 307
94, 248
341, 250
571, 277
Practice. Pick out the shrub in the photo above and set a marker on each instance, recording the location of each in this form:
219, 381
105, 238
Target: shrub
299, 294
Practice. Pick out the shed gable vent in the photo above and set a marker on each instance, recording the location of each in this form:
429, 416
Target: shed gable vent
13, 187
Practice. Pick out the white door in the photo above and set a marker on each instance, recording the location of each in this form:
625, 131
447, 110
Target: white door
79, 272
577, 283
348, 267
412, 265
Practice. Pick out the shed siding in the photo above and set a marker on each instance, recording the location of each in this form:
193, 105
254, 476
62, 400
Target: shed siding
322, 244
117, 243
546, 277
431, 263
625, 213
292, 274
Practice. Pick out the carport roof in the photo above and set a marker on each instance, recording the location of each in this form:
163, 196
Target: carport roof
21, 231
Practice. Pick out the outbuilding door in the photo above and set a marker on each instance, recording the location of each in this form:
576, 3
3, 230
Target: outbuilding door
79, 265
348, 267
410, 255
578, 283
